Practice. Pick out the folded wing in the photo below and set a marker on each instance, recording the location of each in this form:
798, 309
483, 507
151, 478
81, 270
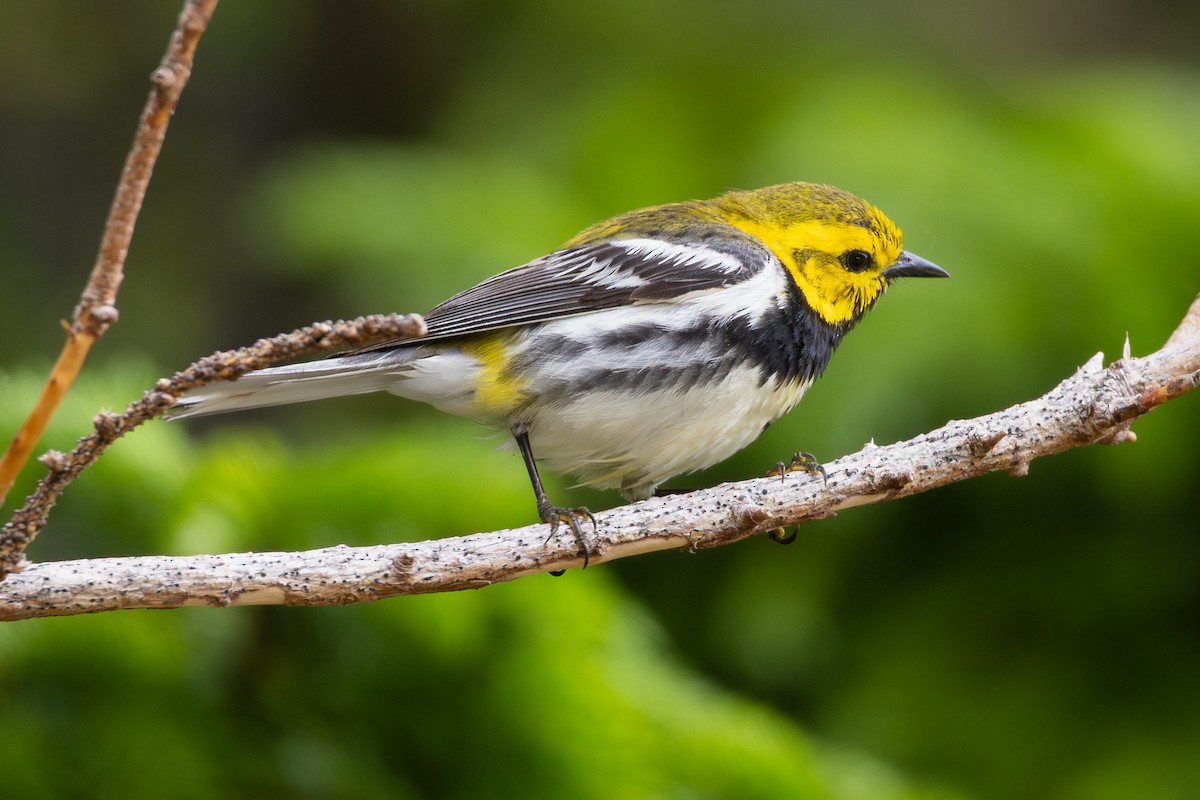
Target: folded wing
589, 278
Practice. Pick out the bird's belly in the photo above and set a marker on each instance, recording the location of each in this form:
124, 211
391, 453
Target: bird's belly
634, 440
613, 398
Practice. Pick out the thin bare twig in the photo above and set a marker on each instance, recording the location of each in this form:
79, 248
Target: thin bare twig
1095, 405
25, 524
97, 308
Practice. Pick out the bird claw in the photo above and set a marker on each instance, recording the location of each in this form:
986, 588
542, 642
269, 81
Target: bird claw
779, 535
801, 462
556, 516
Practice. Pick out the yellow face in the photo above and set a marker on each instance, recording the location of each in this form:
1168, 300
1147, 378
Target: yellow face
837, 266
834, 245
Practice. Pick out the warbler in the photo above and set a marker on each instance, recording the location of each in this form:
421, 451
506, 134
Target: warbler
655, 343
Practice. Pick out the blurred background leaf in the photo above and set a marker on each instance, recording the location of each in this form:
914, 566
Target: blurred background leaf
999, 639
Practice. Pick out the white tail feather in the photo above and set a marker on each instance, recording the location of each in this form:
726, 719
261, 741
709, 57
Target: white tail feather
296, 383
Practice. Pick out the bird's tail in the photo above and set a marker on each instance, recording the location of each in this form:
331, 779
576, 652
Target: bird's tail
296, 383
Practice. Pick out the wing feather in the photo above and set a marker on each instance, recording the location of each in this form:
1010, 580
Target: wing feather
588, 278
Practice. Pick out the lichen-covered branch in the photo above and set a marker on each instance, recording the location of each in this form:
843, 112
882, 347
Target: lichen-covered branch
97, 309
1095, 405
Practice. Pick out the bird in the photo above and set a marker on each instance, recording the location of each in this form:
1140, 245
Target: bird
652, 344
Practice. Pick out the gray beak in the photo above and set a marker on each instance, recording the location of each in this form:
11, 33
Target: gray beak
910, 266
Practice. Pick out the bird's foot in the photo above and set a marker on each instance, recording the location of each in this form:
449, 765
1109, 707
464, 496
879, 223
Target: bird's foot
801, 462
574, 517
781, 536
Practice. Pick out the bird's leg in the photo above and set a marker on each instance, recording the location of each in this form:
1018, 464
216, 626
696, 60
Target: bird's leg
546, 510
801, 462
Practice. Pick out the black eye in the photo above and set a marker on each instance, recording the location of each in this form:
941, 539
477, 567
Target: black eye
856, 260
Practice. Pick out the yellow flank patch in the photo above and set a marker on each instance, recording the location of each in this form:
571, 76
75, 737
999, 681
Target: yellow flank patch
811, 251
497, 392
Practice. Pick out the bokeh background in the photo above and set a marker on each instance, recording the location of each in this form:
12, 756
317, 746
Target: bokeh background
1003, 638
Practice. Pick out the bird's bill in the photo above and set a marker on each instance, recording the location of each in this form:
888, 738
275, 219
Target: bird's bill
910, 266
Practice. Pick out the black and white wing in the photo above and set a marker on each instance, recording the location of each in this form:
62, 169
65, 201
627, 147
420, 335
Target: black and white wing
565, 283
589, 278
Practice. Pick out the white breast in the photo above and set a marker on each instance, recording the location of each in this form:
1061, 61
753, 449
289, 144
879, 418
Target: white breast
635, 441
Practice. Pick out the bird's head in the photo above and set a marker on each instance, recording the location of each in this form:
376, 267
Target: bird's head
841, 251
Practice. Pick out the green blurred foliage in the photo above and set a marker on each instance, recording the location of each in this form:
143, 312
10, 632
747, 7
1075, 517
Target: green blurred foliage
998, 639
